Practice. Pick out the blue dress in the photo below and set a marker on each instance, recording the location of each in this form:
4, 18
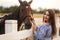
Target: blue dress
43, 32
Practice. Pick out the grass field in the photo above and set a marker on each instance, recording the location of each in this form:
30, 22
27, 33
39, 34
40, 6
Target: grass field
34, 15
41, 15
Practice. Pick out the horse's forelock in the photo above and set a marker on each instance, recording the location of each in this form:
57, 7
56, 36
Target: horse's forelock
24, 3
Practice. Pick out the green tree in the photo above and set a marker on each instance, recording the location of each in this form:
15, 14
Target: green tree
12, 8
1, 8
56, 10
6, 10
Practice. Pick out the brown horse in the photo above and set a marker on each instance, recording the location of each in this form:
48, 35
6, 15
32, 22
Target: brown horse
20, 14
25, 11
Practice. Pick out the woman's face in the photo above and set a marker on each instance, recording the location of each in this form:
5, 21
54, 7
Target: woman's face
46, 16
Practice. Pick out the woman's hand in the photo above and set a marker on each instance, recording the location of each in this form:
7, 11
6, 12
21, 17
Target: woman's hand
34, 25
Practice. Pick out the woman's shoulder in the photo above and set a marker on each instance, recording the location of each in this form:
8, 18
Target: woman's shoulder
45, 26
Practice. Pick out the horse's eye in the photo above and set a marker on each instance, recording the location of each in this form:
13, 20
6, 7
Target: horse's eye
26, 6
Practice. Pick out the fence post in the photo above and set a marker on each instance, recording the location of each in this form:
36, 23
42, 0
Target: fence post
10, 26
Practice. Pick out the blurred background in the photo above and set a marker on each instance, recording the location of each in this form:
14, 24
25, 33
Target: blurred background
37, 6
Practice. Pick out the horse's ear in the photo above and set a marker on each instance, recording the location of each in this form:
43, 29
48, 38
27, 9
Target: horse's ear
30, 2
20, 1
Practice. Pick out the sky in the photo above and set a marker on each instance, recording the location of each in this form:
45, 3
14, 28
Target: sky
34, 5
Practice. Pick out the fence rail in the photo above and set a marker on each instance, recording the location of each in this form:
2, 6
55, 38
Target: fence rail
16, 35
11, 32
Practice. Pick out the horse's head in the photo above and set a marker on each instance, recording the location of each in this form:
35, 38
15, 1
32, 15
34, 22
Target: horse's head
25, 9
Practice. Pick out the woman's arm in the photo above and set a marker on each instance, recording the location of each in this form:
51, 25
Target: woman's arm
34, 25
40, 33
